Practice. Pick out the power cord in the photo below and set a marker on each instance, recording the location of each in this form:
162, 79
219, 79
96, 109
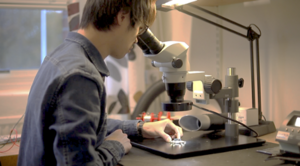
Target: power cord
13, 129
13, 142
226, 118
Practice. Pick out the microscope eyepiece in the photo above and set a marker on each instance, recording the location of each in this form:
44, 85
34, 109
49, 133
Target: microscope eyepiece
149, 40
143, 46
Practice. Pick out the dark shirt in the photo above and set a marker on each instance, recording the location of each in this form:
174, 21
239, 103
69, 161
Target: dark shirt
65, 121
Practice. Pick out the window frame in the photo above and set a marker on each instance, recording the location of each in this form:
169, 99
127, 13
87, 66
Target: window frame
34, 4
18, 82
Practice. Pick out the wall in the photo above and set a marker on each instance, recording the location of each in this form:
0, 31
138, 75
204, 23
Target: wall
213, 50
279, 54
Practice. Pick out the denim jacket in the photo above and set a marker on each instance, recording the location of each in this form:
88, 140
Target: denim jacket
65, 121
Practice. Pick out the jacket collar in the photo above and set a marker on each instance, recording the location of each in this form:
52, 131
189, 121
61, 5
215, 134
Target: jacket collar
90, 51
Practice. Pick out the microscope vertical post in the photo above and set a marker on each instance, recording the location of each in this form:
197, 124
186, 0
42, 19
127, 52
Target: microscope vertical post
231, 103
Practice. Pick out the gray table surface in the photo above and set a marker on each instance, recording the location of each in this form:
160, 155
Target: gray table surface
242, 157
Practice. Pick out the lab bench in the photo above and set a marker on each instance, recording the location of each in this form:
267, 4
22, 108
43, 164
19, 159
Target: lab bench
242, 157
139, 157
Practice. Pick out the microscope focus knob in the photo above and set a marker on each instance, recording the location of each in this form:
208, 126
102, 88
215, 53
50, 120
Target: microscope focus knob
189, 85
241, 82
212, 86
177, 63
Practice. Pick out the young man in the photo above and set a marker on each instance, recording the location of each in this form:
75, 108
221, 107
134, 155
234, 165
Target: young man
65, 122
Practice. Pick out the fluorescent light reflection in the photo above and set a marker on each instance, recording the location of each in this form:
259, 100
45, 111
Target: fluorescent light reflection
297, 124
177, 2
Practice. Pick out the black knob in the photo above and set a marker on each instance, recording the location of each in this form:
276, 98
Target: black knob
212, 86
241, 82
177, 63
189, 85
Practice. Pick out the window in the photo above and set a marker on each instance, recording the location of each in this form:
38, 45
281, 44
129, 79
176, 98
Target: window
28, 35
29, 30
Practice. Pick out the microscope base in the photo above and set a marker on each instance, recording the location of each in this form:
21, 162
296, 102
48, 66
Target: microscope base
197, 143
265, 127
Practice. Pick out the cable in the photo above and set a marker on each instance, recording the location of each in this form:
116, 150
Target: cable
14, 142
2, 145
227, 118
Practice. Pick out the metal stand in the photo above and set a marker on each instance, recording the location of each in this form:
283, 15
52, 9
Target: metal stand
264, 127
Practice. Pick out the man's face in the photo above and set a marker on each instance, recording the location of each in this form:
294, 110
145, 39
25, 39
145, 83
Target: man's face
126, 39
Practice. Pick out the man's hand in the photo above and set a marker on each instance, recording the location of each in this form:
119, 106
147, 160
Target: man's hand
119, 136
165, 129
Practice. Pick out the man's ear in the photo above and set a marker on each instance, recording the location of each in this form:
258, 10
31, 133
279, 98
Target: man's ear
121, 16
